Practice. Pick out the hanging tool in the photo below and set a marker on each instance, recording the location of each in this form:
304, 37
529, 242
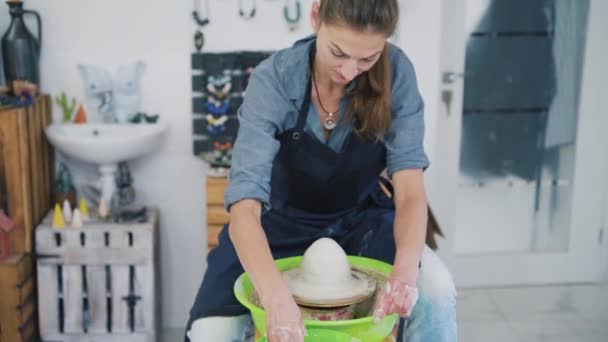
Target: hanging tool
292, 22
251, 14
219, 87
201, 21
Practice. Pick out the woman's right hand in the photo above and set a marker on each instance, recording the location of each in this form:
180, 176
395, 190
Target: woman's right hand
283, 318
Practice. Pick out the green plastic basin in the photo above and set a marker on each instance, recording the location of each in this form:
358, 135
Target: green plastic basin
363, 329
323, 335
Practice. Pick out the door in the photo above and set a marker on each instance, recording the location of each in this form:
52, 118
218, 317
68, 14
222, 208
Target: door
519, 166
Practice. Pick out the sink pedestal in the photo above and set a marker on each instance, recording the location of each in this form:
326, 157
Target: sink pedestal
107, 181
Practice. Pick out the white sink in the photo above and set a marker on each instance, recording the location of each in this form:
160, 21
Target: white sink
106, 144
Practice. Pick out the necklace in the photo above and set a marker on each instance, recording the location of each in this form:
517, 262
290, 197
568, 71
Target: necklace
330, 122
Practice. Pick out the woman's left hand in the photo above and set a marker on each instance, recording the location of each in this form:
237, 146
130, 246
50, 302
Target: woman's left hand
395, 297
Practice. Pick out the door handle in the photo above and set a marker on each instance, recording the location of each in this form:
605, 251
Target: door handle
449, 77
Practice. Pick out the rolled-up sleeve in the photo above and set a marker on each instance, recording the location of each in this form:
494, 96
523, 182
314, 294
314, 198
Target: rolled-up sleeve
404, 139
263, 108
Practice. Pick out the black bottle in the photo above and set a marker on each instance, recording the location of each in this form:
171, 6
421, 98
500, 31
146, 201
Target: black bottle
20, 49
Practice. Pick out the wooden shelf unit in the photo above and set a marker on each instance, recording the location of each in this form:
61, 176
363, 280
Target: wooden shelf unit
217, 216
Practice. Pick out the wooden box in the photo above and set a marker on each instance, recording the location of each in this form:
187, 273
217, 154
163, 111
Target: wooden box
217, 216
18, 305
98, 283
26, 169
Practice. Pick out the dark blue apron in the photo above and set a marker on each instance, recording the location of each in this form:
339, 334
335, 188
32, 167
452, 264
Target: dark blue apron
316, 192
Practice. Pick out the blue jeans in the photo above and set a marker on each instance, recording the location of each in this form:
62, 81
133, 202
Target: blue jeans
434, 316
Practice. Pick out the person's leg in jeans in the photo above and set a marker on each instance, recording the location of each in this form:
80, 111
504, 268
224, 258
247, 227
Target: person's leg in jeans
434, 316
216, 315
233, 329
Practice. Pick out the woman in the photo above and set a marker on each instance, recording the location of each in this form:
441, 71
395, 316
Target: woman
319, 123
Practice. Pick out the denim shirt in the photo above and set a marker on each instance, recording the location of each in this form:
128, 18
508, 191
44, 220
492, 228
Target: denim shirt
272, 100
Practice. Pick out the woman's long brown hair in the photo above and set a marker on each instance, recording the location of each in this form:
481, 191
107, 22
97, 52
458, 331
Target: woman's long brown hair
369, 105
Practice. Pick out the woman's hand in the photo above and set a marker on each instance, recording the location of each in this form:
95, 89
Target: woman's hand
283, 318
395, 297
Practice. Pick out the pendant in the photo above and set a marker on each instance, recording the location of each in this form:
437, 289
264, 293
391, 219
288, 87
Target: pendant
330, 122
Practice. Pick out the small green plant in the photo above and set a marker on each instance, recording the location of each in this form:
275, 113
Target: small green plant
67, 110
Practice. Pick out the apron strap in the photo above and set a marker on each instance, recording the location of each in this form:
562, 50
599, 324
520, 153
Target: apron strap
305, 108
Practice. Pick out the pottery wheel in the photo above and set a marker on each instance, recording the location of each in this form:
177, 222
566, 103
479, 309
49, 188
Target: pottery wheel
330, 295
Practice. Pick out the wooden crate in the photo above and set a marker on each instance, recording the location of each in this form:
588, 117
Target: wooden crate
98, 283
217, 216
27, 169
18, 305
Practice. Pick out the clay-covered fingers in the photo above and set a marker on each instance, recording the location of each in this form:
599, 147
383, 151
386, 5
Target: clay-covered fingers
286, 332
284, 320
396, 297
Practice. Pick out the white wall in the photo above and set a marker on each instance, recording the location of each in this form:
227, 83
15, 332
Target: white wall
110, 33
598, 28
419, 36
113, 32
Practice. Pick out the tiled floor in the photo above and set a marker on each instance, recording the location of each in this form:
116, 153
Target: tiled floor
558, 313
527, 314
172, 335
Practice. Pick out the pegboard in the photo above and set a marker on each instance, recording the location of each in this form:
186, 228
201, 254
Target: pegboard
219, 81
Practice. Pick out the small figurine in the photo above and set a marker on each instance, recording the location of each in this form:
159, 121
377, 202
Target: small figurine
103, 210
81, 116
219, 87
67, 211
141, 117
24, 92
76, 219
220, 156
216, 124
58, 221
84, 210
